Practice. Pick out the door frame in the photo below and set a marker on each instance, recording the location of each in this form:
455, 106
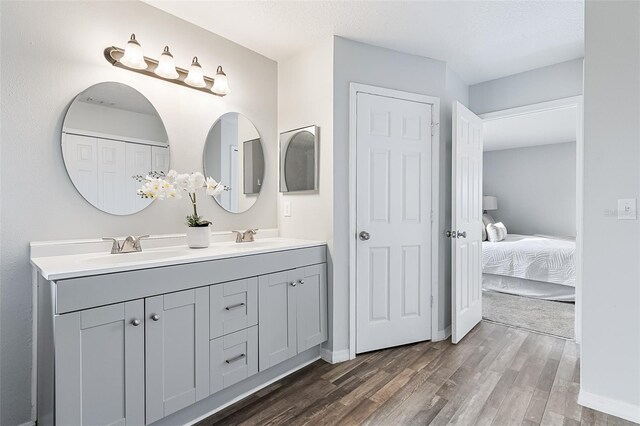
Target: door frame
354, 89
562, 103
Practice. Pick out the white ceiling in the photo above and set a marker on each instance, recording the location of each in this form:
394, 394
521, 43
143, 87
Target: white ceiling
481, 40
537, 128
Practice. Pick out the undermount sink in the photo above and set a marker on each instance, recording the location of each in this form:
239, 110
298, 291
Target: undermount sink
136, 257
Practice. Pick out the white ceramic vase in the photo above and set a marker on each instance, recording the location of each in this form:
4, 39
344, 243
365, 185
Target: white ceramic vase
198, 236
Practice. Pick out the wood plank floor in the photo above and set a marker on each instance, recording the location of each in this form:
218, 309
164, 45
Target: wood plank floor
496, 375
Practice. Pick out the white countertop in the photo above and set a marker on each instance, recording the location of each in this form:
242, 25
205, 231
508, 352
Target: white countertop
81, 265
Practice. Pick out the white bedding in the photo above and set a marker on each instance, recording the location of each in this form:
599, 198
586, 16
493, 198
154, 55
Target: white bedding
532, 257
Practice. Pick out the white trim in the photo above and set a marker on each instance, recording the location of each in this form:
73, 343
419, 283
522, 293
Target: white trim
354, 89
118, 138
252, 391
29, 423
610, 406
441, 335
334, 357
562, 103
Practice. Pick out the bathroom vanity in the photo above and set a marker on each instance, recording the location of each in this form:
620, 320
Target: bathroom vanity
129, 339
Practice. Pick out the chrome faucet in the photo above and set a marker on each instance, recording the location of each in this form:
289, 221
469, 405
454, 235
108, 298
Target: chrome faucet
246, 236
130, 244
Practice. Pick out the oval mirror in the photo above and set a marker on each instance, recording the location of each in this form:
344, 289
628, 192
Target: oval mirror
111, 133
233, 155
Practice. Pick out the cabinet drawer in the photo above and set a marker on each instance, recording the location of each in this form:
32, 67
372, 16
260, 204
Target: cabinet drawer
234, 357
234, 306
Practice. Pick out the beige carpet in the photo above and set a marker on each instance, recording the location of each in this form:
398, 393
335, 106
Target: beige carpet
544, 316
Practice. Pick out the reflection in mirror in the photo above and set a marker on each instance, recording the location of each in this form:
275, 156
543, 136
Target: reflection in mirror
233, 155
112, 132
298, 160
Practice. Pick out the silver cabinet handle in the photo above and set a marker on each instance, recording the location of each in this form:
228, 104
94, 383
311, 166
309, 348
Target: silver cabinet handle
364, 235
155, 317
293, 283
135, 322
462, 234
234, 359
237, 305
300, 281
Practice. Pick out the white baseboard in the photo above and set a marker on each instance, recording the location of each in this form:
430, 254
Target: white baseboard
334, 357
441, 334
610, 406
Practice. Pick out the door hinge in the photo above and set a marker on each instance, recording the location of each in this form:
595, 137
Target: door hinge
434, 126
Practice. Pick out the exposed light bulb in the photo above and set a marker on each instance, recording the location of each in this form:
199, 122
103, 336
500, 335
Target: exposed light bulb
133, 57
166, 65
220, 83
195, 77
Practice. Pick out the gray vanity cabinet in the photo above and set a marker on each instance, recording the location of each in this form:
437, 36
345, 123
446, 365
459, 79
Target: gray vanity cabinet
99, 372
177, 351
292, 313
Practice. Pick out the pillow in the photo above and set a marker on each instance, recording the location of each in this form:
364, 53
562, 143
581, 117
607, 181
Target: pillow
496, 232
484, 233
487, 219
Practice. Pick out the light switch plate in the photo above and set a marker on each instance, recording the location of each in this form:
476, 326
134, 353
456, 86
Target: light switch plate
286, 207
627, 208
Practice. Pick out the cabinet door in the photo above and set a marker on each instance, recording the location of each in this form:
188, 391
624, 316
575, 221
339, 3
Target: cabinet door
234, 306
277, 318
100, 366
177, 351
311, 301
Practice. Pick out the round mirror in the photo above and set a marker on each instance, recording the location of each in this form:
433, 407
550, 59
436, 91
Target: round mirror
233, 155
110, 134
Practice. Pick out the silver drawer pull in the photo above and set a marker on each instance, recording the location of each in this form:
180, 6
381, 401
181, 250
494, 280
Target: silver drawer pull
237, 305
234, 359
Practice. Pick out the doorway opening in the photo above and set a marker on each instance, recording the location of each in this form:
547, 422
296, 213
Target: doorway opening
531, 217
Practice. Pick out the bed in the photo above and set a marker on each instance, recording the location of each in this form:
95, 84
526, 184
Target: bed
536, 266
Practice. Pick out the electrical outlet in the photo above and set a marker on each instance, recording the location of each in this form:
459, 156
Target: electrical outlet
286, 207
627, 209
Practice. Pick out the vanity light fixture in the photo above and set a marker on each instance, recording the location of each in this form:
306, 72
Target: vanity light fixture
195, 77
132, 59
167, 65
220, 83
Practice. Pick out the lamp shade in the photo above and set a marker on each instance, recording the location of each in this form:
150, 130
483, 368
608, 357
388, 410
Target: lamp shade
220, 83
195, 77
167, 65
133, 57
489, 202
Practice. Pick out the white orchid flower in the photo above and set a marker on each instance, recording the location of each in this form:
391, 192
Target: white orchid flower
182, 181
196, 180
214, 188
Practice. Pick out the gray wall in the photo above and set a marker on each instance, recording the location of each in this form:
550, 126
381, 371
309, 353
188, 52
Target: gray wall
536, 188
50, 52
611, 281
557, 81
362, 63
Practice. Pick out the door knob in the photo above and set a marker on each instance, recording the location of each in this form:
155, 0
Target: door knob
364, 235
462, 234
155, 317
135, 322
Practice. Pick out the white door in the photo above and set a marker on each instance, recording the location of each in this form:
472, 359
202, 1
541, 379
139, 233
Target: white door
466, 222
138, 162
111, 176
393, 219
81, 158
